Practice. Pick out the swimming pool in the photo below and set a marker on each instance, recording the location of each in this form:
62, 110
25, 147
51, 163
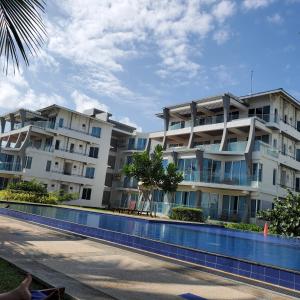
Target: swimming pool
270, 258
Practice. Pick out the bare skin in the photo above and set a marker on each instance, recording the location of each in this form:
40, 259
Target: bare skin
21, 292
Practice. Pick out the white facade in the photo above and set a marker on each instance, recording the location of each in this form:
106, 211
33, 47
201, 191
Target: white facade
64, 149
236, 153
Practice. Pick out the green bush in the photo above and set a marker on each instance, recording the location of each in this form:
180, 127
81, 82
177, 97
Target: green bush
24, 196
284, 217
28, 186
187, 214
244, 226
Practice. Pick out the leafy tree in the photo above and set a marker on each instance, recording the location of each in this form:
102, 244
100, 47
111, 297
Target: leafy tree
284, 218
149, 171
21, 30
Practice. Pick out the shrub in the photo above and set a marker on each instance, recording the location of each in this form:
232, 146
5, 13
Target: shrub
244, 226
284, 218
28, 186
187, 214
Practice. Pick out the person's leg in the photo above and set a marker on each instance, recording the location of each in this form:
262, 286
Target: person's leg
21, 292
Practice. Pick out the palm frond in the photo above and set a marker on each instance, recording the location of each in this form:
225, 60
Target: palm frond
22, 30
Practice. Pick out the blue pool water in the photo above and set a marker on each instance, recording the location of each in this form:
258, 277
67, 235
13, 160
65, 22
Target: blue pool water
271, 250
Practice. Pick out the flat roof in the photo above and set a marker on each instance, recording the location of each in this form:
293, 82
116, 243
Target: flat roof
53, 106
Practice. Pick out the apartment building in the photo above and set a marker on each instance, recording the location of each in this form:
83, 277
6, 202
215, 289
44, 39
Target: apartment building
236, 153
64, 149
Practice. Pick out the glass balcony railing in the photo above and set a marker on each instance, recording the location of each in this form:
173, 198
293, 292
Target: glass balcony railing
233, 146
209, 147
5, 166
48, 125
266, 149
209, 120
237, 146
216, 177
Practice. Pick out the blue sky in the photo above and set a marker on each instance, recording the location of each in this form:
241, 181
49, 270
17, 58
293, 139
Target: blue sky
133, 57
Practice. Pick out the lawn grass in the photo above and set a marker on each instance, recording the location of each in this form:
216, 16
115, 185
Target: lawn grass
11, 277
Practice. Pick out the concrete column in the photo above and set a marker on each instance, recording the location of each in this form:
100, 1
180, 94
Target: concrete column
193, 106
175, 157
166, 126
250, 147
23, 116
3, 122
12, 121
226, 105
199, 158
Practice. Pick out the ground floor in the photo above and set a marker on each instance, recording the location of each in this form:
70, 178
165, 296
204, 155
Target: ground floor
216, 205
95, 270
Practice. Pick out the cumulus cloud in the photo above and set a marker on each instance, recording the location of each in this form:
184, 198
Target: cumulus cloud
16, 93
254, 4
221, 36
83, 102
127, 121
223, 10
275, 19
105, 33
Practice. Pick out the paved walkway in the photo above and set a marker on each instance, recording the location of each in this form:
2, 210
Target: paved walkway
95, 270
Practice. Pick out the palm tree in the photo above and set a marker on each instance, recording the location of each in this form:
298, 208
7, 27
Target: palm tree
22, 30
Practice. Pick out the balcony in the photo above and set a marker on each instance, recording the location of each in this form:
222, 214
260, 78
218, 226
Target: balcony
10, 168
67, 177
46, 125
265, 149
231, 147
217, 178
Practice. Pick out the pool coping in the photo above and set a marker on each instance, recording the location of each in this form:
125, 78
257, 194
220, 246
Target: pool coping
287, 279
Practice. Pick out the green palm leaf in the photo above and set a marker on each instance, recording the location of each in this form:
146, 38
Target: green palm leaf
22, 30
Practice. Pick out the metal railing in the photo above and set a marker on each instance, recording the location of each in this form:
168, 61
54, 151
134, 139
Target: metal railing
5, 166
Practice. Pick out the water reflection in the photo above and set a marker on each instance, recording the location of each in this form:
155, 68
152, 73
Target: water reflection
281, 252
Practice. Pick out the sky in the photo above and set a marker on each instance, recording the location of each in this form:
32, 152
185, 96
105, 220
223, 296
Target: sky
134, 57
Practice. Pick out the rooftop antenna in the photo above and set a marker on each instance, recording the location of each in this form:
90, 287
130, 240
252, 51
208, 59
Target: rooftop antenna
251, 92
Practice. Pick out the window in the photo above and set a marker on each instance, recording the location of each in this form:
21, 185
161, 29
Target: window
298, 154
141, 144
260, 112
255, 207
274, 176
89, 172
57, 142
285, 118
48, 165
275, 143
276, 115
72, 146
297, 184
96, 132
94, 152
86, 194
284, 149
61, 123
233, 115
28, 161
112, 161
106, 198
109, 179
298, 125
257, 172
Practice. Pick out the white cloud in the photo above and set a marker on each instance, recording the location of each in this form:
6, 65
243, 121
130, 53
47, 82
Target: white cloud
221, 36
254, 4
103, 34
275, 19
223, 75
16, 93
223, 10
127, 121
83, 102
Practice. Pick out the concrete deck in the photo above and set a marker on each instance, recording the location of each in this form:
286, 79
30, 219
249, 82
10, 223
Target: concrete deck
97, 270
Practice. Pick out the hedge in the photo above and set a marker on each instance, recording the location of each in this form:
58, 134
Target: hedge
244, 226
187, 214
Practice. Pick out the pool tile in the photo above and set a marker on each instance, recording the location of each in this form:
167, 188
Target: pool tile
244, 273
286, 276
210, 258
271, 272
257, 269
272, 280
245, 266
288, 284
